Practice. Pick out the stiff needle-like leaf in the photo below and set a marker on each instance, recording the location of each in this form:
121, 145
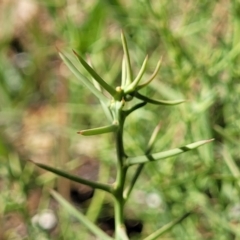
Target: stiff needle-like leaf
129, 78
152, 76
124, 73
104, 106
132, 86
100, 130
156, 101
83, 79
74, 178
106, 86
161, 155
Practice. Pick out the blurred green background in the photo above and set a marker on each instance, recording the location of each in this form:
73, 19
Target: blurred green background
42, 106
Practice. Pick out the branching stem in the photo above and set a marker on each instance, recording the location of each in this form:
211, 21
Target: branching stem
120, 231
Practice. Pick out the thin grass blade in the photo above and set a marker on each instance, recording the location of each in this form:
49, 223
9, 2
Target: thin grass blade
83, 219
165, 228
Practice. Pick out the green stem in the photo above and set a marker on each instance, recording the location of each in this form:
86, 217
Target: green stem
120, 231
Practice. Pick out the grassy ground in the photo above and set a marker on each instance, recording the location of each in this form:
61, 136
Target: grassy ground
42, 106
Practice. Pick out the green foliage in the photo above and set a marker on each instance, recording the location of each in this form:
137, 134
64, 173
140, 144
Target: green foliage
199, 44
116, 106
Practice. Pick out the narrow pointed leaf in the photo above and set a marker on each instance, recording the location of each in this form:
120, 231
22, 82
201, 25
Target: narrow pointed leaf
104, 106
100, 130
134, 84
152, 76
129, 78
82, 218
153, 138
74, 178
161, 155
106, 86
156, 101
82, 78
165, 228
124, 73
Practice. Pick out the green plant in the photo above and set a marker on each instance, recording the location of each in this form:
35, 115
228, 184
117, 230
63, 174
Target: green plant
116, 108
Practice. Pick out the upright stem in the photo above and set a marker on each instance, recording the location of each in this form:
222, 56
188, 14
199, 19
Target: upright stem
120, 181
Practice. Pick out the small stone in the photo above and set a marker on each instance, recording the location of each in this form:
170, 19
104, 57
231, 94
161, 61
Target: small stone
46, 220
153, 200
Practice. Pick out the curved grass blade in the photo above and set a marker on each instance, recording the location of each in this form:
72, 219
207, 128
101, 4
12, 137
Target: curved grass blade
83, 79
133, 85
158, 102
152, 76
161, 155
82, 218
165, 228
100, 130
74, 178
129, 78
106, 86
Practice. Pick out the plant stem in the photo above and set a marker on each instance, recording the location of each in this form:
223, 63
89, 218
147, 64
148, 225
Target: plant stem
120, 231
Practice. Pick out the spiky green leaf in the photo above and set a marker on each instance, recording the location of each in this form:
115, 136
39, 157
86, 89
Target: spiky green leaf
85, 81
152, 76
133, 85
161, 155
100, 130
74, 178
129, 77
156, 101
106, 86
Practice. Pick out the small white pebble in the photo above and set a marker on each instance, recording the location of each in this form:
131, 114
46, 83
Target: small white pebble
34, 220
234, 212
153, 200
46, 220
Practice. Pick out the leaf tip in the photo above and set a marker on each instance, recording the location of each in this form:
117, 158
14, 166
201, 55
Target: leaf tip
75, 52
31, 161
58, 50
